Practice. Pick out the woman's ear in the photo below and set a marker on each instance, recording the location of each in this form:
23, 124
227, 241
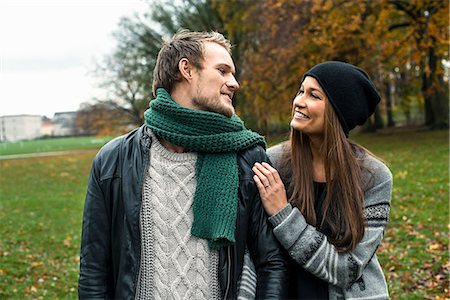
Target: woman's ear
185, 68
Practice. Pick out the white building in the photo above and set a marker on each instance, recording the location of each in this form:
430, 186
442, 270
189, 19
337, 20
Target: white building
47, 127
64, 123
20, 127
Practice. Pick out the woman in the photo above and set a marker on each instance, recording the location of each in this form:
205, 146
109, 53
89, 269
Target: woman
332, 215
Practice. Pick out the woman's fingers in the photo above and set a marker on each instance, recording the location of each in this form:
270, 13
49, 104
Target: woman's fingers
262, 174
266, 171
271, 188
259, 184
273, 172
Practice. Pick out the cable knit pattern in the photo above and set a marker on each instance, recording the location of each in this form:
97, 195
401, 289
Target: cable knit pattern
217, 138
174, 264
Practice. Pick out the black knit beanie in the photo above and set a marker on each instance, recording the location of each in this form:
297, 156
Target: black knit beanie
349, 90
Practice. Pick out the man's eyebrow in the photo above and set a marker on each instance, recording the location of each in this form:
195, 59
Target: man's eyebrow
226, 66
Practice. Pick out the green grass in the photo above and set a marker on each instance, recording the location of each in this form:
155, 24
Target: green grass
50, 145
41, 204
41, 208
414, 253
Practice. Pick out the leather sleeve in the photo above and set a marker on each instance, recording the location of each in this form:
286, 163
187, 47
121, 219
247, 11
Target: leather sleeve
95, 279
268, 255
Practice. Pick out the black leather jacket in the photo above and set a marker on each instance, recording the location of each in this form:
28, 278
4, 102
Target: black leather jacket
111, 242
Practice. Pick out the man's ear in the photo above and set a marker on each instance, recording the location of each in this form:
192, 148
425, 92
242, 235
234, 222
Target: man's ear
185, 68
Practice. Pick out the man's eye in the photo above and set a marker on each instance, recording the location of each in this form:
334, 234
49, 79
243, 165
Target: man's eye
222, 71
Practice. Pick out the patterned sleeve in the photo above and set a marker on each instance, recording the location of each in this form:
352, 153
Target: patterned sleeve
311, 249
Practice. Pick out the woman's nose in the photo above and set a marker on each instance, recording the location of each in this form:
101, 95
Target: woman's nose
299, 101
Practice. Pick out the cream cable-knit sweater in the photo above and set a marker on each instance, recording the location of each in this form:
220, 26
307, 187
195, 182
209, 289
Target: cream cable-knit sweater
174, 264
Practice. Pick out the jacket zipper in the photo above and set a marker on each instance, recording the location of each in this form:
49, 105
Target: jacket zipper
227, 290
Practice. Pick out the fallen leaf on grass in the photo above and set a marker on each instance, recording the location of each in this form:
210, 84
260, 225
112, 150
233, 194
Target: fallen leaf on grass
402, 174
37, 264
434, 246
32, 289
67, 241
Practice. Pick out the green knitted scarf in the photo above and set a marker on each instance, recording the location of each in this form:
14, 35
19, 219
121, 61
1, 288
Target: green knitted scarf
216, 138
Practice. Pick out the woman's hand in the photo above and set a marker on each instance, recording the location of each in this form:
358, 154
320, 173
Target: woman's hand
271, 188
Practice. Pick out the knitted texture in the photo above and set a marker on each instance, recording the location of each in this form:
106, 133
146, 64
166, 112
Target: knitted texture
354, 274
247, 282
174, 264
217, 138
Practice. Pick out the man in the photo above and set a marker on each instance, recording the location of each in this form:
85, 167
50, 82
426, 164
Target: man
171, 207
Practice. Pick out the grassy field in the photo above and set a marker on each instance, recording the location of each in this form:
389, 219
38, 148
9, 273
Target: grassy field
56, 144
414, 253
41, 203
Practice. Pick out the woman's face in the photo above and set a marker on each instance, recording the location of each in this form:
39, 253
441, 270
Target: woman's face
308, 108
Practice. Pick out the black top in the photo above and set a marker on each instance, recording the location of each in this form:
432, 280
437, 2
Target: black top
302, 284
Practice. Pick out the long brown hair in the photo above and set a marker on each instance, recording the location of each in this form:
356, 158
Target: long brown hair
343, 204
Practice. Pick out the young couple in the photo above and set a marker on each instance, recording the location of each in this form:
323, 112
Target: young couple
175, 208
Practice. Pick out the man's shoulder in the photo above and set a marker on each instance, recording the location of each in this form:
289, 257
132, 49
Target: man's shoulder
112, 149
253, 154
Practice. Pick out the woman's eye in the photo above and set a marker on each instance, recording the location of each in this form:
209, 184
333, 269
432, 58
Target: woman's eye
300, 92
314, 96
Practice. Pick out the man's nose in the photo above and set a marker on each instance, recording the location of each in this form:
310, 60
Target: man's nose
233, 84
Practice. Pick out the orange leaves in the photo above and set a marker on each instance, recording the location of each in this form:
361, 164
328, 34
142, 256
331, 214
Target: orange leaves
435, 246
288, 37
402, 174
37, 264
67, 241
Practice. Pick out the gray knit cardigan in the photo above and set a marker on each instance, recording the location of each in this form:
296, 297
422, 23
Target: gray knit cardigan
350, 275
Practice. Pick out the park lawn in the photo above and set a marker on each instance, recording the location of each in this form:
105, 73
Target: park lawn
414, 252
51, 145
41, 204
41, 207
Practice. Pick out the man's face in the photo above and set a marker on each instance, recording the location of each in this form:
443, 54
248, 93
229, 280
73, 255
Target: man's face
215, 84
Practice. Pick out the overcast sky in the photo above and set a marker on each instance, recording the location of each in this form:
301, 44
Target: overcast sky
48, 47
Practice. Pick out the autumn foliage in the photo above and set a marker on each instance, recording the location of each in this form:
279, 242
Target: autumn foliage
101, 119
279, 40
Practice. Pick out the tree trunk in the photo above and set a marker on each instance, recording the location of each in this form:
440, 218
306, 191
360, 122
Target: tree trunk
440, 102
388, 102
437, 93
369, 126
378, 120
426, 84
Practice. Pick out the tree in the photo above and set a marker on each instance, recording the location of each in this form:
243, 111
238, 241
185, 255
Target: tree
425, 27
127, 74
277, 41
101, 118
290, 36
